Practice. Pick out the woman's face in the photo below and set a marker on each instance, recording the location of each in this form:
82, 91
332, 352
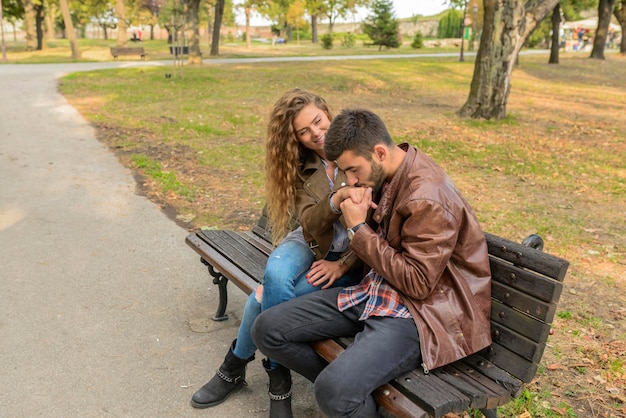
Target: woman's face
310, 126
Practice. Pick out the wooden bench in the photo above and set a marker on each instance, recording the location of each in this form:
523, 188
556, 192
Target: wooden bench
526, 287
117, 51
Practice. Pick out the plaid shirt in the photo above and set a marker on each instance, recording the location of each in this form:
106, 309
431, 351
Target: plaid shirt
381, 299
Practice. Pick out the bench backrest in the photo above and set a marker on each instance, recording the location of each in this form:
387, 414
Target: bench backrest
526, 287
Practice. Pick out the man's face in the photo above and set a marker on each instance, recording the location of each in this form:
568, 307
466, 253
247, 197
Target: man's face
362, 172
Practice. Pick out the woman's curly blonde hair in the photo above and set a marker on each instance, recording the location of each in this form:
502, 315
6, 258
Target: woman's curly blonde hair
284, 157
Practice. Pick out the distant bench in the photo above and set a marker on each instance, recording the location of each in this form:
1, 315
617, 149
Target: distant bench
526, 287
136, 50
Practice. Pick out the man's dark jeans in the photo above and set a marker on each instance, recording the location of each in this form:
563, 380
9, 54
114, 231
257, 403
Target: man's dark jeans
383, 349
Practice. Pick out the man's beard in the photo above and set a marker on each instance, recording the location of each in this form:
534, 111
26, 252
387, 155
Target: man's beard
377, 177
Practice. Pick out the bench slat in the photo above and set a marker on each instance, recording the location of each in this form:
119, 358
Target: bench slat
523, 346
237, 250
520, 323
514, 364
527, 257
529, 282
221, 263
431, 393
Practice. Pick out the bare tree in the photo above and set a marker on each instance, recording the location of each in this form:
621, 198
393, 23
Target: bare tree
120, 11
605, 10
219, 14
69, 29
507, 25
620, 14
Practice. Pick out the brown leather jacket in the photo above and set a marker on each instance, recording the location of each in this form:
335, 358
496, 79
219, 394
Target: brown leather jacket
435, 254
314, 211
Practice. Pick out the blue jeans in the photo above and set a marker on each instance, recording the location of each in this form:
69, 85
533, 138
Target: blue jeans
283, 279
383, 349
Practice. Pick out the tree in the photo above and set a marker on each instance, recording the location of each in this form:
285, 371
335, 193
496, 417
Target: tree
382, 26
295, 17
605, 10
556, 24
192, 17
29, 24
69, 29
120, 12
620, 15
507, 25
215, 40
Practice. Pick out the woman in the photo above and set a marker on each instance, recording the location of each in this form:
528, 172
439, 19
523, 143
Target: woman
302, 184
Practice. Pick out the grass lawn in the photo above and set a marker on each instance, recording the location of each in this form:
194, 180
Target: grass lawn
555, 166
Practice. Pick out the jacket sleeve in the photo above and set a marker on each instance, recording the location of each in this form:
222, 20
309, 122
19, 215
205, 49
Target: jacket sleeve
414, 259
313, 207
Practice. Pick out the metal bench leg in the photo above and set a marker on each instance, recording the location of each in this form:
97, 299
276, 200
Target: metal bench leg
490, 413
221, 282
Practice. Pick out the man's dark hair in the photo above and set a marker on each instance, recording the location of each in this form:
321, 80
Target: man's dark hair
355, 130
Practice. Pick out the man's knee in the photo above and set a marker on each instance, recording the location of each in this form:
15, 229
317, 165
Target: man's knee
333, 396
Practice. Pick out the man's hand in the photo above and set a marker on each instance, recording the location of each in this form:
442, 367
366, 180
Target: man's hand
355, 209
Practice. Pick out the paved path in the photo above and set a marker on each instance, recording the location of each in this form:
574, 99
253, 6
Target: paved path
103, 307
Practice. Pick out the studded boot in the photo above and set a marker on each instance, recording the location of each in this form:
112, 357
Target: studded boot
229, 377
279, 391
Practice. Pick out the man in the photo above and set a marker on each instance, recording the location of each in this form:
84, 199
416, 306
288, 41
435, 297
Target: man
426, 299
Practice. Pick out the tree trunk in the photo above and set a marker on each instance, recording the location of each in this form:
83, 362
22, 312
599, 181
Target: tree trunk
219, 13
120, 11
248, 40
38, 9
69, 28
605, 10
620, 14
507, 25
29, 24
193, 9
555, 44
314, 29
52, 12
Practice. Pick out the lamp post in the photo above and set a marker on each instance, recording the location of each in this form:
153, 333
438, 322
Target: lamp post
461, 57
4, 50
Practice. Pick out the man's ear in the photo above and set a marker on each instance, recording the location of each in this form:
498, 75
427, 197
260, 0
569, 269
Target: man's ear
380, 152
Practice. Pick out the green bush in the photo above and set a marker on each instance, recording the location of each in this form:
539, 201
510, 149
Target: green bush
327, 41
418, 41
348, 40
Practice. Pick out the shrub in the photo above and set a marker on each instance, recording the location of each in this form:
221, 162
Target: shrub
327, 41
418, 41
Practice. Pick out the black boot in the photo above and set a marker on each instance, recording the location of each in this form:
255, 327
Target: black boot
229, 377
279, 391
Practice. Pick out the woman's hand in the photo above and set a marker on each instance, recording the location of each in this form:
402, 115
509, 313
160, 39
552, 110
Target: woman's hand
324, 272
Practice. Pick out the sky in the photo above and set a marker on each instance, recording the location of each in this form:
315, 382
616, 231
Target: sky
403, 9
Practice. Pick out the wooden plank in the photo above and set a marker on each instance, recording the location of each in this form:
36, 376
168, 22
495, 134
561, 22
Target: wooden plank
237, 250
225, 266
483, 392
519, 322
431, 393
527, 257
541, 287
523, 302
511, 363
479, 363
517, 343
